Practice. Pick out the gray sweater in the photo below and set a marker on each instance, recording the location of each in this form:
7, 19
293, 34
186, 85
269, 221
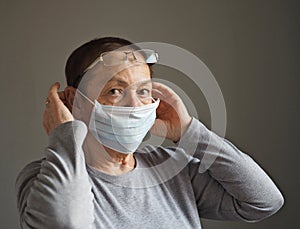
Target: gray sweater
169, 187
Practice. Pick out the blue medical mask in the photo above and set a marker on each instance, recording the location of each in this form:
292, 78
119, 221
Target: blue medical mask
121, 128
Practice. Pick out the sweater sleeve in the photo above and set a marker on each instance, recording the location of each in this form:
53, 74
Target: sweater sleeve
56, 192
227, 183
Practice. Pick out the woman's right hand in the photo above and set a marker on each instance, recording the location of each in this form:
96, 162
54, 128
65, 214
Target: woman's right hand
56, 112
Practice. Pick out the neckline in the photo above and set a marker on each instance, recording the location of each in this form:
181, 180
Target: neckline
116, 178
147, 173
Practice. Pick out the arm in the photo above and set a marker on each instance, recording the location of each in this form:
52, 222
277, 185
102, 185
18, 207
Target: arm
55, 192
233, 187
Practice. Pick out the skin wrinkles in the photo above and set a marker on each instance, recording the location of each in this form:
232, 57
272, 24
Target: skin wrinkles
130, 87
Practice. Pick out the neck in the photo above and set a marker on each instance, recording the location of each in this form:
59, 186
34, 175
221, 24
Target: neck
105, 159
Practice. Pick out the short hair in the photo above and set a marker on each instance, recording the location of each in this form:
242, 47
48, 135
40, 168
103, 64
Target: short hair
87, 53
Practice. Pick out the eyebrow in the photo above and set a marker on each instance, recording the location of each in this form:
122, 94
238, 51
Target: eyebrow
122, 82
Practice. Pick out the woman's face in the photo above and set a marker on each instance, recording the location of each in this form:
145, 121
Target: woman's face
128, 84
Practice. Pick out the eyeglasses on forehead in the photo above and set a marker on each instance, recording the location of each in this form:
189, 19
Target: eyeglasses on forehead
114, 58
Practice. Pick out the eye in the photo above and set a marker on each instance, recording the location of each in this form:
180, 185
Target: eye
115, 92
144, 92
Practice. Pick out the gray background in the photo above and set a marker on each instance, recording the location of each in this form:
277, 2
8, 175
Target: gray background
251, 47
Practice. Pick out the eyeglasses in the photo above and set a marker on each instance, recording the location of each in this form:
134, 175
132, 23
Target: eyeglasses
114, 58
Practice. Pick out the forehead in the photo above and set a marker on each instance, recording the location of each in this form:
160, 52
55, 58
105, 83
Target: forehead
135, 71
131, 74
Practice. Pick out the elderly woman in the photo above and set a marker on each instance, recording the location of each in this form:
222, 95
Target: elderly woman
94, 175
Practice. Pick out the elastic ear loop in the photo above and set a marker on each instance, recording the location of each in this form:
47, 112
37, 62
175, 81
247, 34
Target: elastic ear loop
85, 97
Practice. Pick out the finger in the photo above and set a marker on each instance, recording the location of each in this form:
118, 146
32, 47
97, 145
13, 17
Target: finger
160, 86
157, 90
53, 92
162, 89
61, 95
159, 128
164, 92
157, 94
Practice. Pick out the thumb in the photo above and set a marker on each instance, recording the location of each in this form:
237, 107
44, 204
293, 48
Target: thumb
53, 92
159, 128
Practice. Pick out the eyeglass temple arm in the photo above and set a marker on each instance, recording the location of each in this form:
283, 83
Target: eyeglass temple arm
99, 59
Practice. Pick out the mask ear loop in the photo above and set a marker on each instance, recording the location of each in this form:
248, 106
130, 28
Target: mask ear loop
86, 97
155, 100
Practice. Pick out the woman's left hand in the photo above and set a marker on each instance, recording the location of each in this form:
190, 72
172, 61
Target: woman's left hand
173, 118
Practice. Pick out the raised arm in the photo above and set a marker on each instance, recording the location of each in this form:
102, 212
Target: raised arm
234, 186
227, 183
55, 192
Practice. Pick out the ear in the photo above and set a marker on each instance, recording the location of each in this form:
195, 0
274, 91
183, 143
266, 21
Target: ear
69, 96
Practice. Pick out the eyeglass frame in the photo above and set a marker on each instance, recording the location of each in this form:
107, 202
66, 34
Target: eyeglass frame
100, 58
